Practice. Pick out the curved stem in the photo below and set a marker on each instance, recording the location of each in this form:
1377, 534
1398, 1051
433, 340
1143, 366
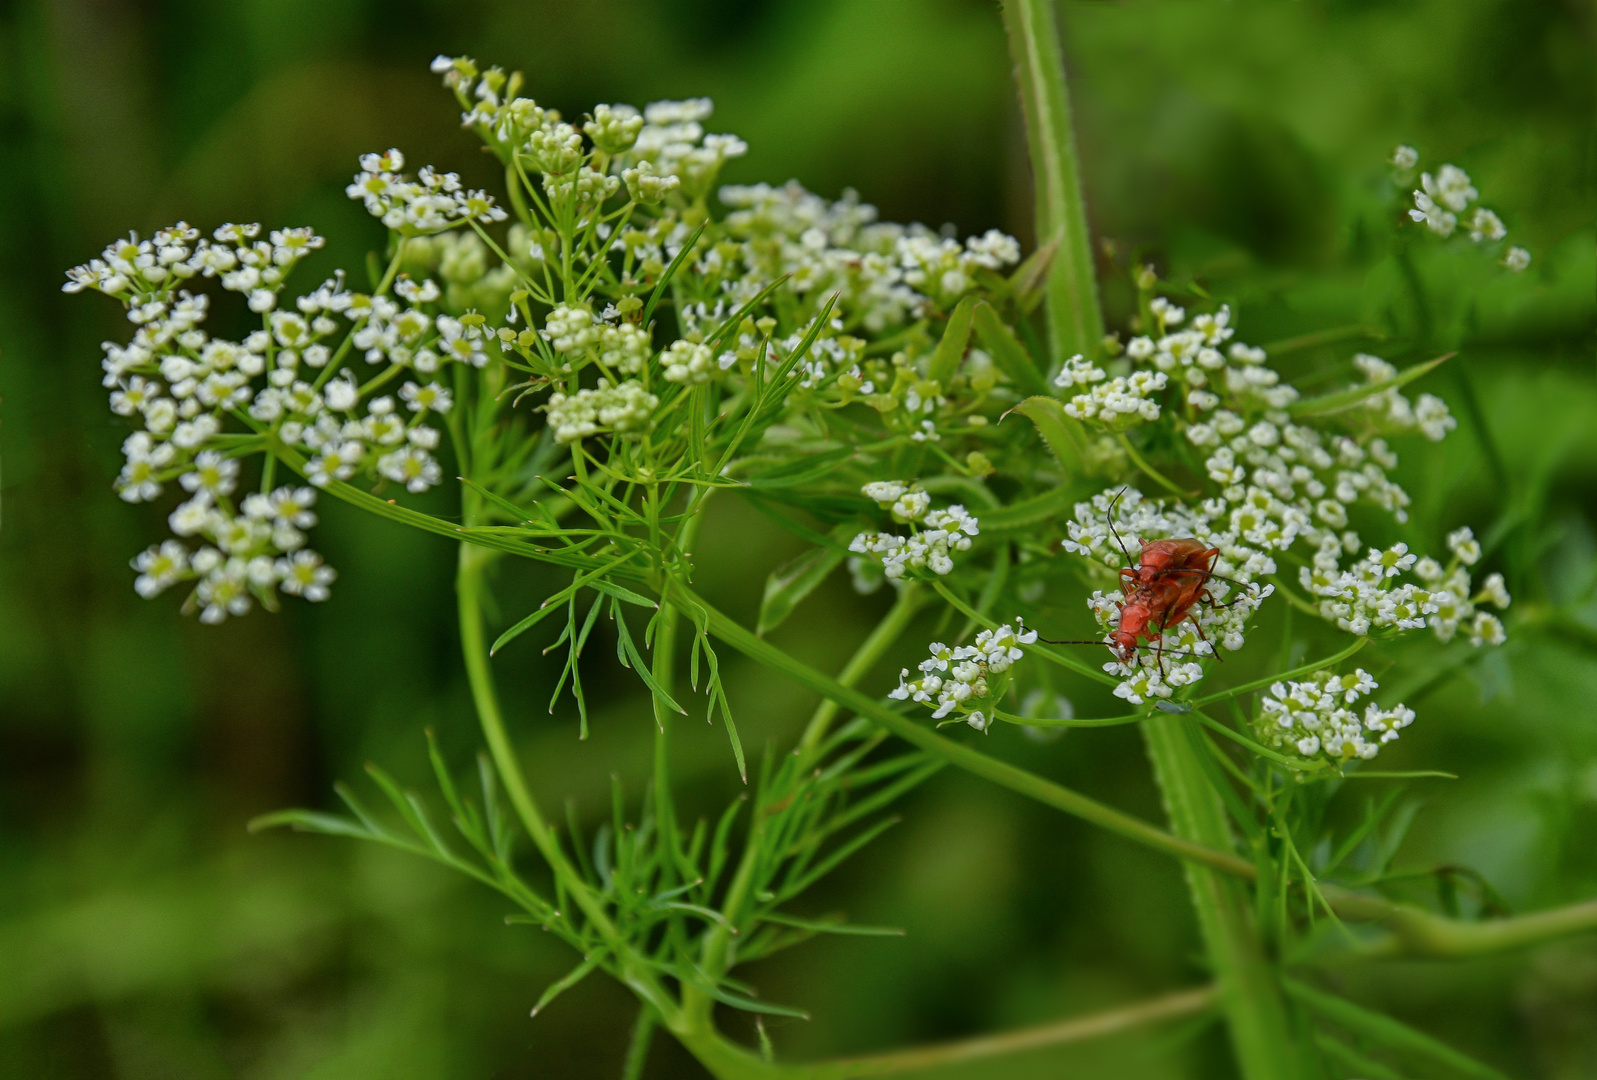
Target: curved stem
1140, 462
474, 648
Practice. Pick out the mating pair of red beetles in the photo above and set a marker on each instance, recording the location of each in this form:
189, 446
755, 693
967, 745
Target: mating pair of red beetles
1158, 592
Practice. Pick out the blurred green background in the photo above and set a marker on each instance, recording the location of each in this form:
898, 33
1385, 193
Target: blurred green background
143, 934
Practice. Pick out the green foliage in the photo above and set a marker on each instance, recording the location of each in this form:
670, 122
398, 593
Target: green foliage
1321, 856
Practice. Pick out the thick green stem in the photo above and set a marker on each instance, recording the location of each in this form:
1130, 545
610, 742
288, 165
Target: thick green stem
1075, 324
1250, 991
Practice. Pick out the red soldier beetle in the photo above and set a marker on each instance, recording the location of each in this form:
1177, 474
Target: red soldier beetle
1158, 592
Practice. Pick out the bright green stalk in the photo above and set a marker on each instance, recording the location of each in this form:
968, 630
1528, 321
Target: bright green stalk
1249, 989
1075, 324
638, 1047
665, 642
1250, 992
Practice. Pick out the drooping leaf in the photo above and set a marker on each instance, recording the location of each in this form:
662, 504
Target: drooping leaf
671, 272
1007, 351
1062, 433
629, 652
1346, 399
791, 582
1030, 280
951, 349
311, 821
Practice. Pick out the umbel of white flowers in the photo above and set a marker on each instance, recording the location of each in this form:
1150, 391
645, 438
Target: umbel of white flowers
1442, 198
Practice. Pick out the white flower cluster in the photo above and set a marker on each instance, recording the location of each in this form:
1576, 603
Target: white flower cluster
883, 274
1441, 199
1278, 479
935, 534
149, 269
1315, 718
672, 142
430, 203
944, 270
687, 362
184, 388
619, 409
1283, 480
660, 153
1370, 595
961, 678
1119, 402
880, 274
253, 551
1193, 356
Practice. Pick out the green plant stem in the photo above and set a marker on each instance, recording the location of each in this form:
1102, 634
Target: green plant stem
1138, 460
1390, 1032
973, 761
730, 1062
474, 648
664, 668
1413, 931
638, 1046
1075, 324
1076, 1029
1250, 991
910, 600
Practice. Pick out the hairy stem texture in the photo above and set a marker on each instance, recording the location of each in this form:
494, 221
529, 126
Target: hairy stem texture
1075, 324
1250, 991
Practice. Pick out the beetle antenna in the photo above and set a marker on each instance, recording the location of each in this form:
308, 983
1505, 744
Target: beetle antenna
1109, 519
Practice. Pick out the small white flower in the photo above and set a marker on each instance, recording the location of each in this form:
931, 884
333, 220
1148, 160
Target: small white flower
422, 398
159, 567
341, 394
1487, 629
1463, 544
304, 574
1494, 591
413, 467
211, 473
